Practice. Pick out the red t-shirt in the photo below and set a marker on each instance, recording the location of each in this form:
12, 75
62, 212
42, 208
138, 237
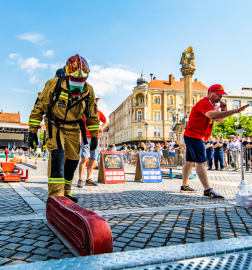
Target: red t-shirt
199, 126
101, 117
6, 151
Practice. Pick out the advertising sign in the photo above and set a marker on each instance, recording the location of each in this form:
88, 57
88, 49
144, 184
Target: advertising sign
111, 169
148, 167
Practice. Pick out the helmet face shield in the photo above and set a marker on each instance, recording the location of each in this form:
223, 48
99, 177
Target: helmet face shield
77, 67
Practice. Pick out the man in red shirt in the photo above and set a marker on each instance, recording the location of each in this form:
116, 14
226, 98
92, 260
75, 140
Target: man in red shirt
197, 131
6, 153
88, 155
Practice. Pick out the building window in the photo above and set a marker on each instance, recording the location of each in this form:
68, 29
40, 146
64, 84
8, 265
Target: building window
139, 132
157, 99
156, 115
157, 132
181, 100
141, 100
250, 103
170, 117
105, 138
106, 145
193, 101
224, 100
181, 116
236, 104
170, 133
139, 115
171, 100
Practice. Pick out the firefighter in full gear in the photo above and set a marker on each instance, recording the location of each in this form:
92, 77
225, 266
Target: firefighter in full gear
64, 102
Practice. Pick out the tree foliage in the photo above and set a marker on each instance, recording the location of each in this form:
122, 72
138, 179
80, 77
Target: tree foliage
228, 127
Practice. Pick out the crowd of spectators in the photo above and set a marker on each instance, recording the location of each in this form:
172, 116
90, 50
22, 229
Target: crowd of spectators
226, 153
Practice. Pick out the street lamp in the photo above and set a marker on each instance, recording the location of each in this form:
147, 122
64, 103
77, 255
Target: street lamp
186, 120
146, 127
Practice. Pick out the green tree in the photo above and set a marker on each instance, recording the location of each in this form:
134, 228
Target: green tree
228, 127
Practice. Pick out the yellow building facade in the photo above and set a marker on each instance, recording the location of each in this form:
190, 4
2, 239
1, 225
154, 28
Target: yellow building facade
159, 103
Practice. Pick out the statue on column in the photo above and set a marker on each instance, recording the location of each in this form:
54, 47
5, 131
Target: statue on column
188, 62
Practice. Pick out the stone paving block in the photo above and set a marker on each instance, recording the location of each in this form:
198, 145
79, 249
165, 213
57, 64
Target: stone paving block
57, 247
35, 258
123, 239
11, 246
119, 244
20, 256
137, 244
6, 232
7, 253
27, 242
55, 254
14, 239
4, 260
55, 241
41, 251
18, 234
71, 256
2, 243
26, 248
41, 244
32, 236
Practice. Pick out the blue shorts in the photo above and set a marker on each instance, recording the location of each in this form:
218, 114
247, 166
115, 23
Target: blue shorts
171, 154
195, 150
86, 153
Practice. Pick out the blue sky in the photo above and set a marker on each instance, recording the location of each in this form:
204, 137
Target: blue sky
120, 39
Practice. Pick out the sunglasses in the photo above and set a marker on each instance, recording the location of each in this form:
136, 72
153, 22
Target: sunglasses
218, 94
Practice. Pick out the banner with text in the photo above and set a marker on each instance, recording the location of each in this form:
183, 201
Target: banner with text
111, 169
148, 167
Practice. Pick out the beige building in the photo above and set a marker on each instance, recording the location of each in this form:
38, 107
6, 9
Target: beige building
238, 98
159, 103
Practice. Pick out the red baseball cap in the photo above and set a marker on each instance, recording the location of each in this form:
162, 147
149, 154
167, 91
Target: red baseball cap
217, 88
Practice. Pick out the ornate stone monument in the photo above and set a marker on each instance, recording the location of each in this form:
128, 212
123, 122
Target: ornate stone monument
188, 68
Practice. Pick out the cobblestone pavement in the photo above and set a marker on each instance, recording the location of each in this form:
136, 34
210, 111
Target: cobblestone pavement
29, 241
32, 240
11, 203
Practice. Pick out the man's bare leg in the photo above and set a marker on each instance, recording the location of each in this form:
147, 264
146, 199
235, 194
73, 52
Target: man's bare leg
82, 167
89, 181
187, 168
90, 168
202, 174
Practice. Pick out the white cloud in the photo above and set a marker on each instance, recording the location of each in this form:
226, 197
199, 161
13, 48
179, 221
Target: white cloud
31, 63
104, 108
55, 66
14, 55
111, 80
34, 79
48, 53
32, 37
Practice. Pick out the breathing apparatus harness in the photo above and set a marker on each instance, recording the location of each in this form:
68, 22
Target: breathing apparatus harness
53, 120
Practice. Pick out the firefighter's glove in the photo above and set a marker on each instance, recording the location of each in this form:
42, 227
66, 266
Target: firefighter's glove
32, 137
94, 143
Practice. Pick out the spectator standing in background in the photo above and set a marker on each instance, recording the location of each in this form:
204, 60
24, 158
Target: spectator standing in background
90, 155
151, 146
209, 152
234, 147
113, 148
171, 151
247, 144
225, 154
218, 154
142, 147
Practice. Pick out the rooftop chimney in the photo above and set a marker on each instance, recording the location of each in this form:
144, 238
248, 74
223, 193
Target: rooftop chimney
196, 80
171, 79
154, 78
246, 88
151, 76
181, 79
